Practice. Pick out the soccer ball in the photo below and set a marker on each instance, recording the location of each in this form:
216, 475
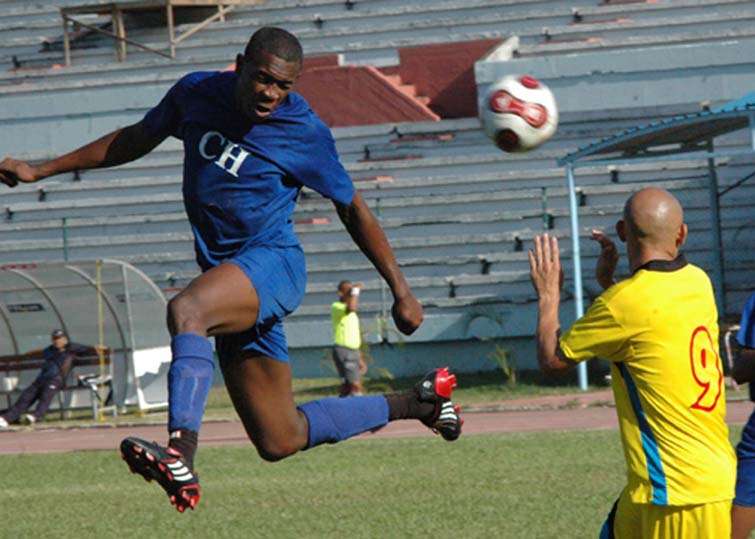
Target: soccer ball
519, 113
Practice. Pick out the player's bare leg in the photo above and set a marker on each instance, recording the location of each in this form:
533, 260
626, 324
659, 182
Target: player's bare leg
742, 521
221, 300
260, 388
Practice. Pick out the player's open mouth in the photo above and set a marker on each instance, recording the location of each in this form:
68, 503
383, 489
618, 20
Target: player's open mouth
262, 110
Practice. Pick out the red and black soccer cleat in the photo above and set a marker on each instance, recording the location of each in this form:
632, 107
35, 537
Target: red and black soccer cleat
437, 387
166, 466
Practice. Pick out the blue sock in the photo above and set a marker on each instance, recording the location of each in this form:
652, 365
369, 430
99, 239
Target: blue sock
189, 381
335, 419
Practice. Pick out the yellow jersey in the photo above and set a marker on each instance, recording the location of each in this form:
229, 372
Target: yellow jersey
345, 326
659, 330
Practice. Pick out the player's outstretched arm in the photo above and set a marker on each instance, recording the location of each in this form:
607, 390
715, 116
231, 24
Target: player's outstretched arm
115, 148
547, 279
367, 233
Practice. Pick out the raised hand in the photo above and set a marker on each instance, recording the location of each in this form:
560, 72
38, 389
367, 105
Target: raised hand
545, 267
607, 261
407, 314
13, 172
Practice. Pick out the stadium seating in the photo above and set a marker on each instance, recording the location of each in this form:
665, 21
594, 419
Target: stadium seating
459, 213
117, 92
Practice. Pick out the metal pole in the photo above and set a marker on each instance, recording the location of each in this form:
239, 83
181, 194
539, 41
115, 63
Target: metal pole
100, 335
141, 401
120, 30
578, 307
718, 264
65, 239
200, 26
109, 304
171, 30
383, 310
66, 41
117, 38
5, 315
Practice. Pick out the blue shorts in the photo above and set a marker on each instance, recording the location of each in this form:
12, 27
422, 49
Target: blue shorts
745, 496
279, 275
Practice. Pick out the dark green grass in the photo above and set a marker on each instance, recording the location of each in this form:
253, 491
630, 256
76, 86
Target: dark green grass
520, 486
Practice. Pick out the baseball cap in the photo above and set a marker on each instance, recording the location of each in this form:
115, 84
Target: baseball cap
58, 333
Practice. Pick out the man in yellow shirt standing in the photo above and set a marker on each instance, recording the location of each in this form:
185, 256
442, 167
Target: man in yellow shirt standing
659, 330
347, 338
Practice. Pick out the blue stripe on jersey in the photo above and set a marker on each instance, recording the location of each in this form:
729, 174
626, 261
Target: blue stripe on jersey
649, 445
606, 532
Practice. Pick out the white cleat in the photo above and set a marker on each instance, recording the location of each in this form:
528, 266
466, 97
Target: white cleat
28, 419
3, 423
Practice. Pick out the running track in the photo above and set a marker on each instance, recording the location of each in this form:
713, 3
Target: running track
223, 433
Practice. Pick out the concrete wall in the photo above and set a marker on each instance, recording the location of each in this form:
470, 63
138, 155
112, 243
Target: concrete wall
415, 359
445, 74
636, 77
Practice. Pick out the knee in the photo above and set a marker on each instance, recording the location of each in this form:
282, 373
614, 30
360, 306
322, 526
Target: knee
185, 314
272, 451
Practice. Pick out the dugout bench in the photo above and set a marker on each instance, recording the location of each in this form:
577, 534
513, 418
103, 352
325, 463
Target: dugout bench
83, 376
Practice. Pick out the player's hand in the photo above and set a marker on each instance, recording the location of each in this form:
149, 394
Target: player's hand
407, 314
13, 171
607, 261
545, 267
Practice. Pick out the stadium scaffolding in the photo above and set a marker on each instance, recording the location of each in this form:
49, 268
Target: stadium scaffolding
106, 302
689, 136
116, 10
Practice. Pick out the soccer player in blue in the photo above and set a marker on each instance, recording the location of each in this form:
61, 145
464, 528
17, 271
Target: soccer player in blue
743, 509
250, 146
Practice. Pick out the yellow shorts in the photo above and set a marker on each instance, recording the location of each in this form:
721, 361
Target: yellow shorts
629, 520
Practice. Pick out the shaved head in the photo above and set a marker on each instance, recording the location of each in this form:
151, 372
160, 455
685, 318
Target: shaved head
654, 216
653, 224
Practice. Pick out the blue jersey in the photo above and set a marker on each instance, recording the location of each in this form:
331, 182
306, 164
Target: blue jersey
746, 333
241, 179
55, 359
746, 447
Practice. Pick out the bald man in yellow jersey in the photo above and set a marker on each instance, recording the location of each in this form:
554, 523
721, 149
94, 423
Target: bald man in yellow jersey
659, 330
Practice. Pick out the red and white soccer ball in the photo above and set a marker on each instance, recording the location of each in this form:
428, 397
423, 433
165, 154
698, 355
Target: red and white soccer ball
519, 113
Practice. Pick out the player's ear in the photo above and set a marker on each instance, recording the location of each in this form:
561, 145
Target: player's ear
621, 230
681, 236
239, 63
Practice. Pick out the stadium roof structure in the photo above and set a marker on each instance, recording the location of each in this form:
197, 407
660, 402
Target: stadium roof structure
676, 135
689, 136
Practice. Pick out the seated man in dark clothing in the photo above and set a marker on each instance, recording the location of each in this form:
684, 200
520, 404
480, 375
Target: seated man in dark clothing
59, 358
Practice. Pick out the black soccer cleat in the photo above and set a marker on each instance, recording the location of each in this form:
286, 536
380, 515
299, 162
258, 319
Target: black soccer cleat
437, 387
166, 466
